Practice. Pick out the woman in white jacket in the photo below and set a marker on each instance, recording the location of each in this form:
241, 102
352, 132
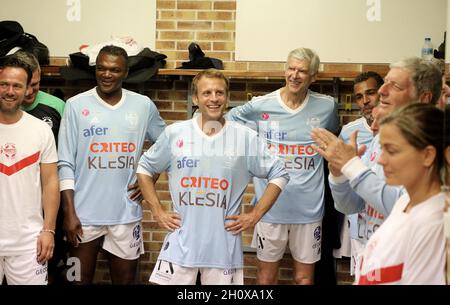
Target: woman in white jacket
409, 248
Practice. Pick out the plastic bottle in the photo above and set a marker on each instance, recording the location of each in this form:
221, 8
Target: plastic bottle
427, 49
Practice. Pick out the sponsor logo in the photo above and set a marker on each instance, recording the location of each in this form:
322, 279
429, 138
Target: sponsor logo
107, 147
373, 156
265, 116
85, 112
179, 143
292, 149
228, 271
48, 120
119, 162
204, 182
185, 162
94, 131
275, 134
317, 233
137, 232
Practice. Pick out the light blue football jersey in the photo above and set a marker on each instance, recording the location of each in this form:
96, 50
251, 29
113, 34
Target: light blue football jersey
368, 191
207, 180
365, 135
99, 148
287, 133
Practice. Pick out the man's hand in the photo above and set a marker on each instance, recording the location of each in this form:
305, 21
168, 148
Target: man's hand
45, 246
73, 229
240, 222
169, 221
334, 150
136, 194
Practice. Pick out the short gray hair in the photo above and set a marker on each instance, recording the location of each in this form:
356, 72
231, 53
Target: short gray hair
307, 55
425, 75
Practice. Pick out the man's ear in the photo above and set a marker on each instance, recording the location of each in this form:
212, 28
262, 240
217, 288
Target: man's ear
29, 90
195, 100
429, 155
426, 97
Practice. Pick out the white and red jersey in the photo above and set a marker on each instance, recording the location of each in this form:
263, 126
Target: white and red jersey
408, 248
23, 147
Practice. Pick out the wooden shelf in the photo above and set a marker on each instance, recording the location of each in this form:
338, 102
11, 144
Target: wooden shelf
54, 71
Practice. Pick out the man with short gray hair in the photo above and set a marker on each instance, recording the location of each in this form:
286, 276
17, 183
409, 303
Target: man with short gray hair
359, 183
284, 119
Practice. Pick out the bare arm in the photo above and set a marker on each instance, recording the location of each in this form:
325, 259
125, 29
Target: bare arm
166, 220
71, 224
50, 203
247, 220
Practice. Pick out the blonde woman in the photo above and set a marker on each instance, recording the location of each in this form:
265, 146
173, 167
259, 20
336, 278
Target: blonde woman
409, 248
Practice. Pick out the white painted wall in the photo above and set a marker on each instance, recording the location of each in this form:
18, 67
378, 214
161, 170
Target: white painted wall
63, 25
357, 31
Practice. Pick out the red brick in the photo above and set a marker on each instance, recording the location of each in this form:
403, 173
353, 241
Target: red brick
193, 5
225, 5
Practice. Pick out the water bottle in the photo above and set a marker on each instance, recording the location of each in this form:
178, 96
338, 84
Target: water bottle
427, 49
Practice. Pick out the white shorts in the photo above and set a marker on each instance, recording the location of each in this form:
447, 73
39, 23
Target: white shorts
166, 273
357, 250
124, 241
345, 249
271, 239
23, 270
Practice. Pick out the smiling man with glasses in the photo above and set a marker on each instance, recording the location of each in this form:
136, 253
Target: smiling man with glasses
359, 183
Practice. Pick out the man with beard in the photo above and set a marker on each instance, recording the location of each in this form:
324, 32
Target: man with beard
365, 92
29, 194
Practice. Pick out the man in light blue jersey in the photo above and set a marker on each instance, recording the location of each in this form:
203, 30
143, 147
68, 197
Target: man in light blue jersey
284, 118
209, 161
359, 184
365, 92
100, 141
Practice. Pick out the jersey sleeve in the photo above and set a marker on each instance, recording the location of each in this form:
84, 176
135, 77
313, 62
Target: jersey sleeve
67, 144
371, 187
157, 158
49, 154
333, 121
263, 164
156, 124
346, 200
243, 114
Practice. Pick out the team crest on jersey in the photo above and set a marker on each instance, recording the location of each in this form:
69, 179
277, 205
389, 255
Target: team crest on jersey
137, 232
48, 120
166, 246
8, 150
85, 112
179, 143
133, 119
95, 120
317, 233
373, 156
265, 116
